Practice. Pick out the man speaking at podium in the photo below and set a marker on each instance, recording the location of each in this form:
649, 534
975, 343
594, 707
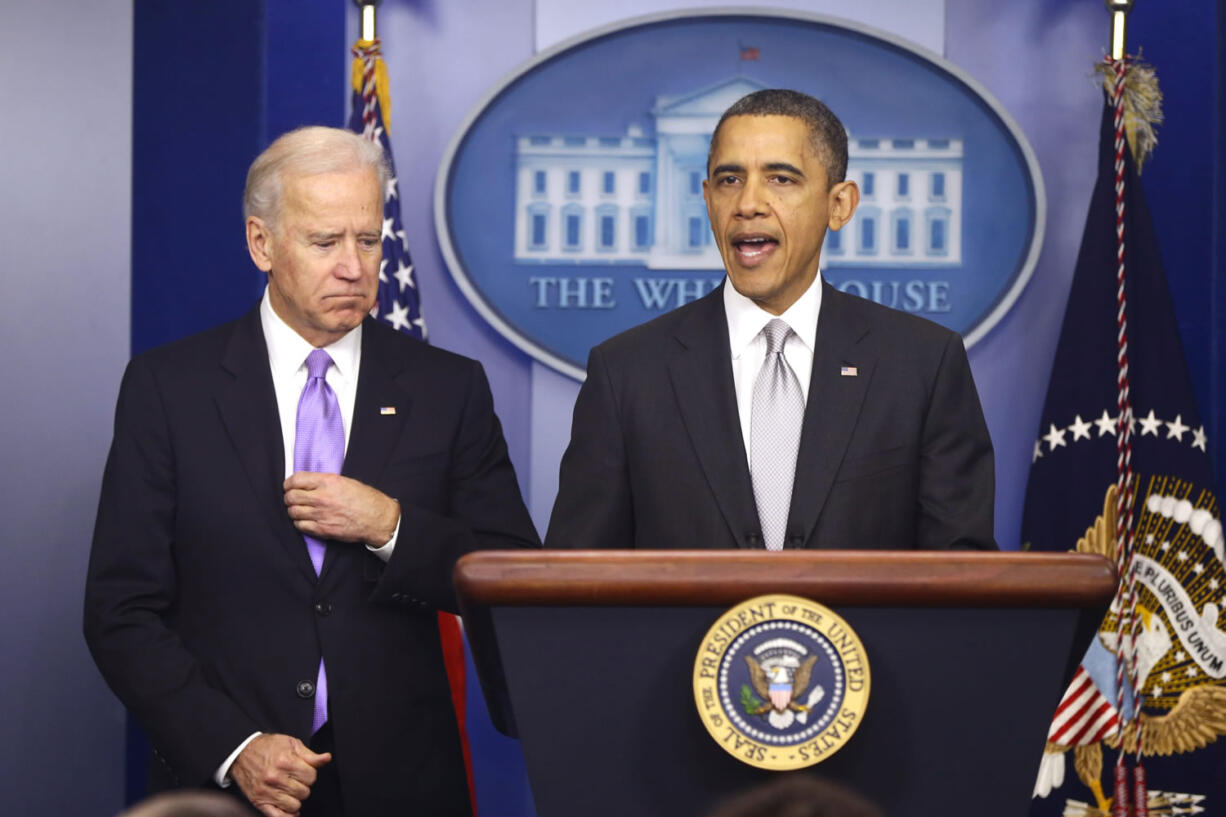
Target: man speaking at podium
777, 412
284, 501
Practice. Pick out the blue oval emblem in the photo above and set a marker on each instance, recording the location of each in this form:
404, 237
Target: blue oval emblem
569, 206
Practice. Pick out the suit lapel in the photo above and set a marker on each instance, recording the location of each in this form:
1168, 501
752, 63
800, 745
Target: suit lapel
702, 383
831, 410
380, 410
247, 404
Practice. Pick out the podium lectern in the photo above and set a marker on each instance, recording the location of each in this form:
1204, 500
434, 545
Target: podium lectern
588, 657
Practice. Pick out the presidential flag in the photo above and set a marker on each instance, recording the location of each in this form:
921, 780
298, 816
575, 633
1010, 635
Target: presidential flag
1121, 467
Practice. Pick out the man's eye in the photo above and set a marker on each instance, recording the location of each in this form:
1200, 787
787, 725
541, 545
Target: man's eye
370, 243
727, 180
325, 245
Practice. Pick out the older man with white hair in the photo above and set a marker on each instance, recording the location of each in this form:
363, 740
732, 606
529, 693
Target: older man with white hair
282, 506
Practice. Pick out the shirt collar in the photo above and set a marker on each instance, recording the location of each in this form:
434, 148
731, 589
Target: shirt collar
746, 318
287, 350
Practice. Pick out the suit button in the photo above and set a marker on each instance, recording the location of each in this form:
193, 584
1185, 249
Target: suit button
795, 541
323, 608
754, 540
306, 689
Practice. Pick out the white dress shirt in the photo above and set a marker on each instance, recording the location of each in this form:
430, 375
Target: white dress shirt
748, 345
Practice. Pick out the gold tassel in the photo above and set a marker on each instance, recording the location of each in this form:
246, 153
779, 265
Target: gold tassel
381, 84
385, 98
1142, 105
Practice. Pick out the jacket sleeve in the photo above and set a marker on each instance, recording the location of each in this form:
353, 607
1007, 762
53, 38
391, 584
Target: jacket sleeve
594, 507
957, 469
485, 512
130, 594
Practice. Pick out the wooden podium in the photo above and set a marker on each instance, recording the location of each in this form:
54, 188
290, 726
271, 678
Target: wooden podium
588, 656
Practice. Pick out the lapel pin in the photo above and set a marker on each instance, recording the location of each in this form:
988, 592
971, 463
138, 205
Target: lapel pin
387, 410
849, 371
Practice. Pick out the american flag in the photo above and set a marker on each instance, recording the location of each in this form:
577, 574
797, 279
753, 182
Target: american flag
399, 300
399, 304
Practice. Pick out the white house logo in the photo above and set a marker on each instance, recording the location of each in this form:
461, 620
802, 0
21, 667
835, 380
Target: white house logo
570, 208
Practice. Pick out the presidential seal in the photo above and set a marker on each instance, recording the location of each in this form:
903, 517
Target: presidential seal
781, 682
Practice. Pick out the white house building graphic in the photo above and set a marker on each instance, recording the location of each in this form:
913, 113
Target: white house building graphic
635, 199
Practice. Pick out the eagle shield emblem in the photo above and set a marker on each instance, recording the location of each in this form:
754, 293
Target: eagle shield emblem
780, 671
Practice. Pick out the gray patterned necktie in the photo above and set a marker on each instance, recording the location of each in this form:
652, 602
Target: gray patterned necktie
774, 433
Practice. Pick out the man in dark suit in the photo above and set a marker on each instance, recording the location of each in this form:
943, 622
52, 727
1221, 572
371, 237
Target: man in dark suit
273, 625
777, 412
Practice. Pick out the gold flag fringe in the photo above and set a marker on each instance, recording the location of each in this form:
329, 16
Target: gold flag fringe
1142, 105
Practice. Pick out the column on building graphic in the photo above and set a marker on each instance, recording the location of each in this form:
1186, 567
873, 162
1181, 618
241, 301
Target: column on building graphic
584, 199
910, 210
684, 124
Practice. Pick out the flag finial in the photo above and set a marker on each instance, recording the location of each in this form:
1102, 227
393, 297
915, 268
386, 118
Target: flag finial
368, 17
1119, 22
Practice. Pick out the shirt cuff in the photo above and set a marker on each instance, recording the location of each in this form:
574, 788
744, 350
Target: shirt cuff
222, 775
384, 551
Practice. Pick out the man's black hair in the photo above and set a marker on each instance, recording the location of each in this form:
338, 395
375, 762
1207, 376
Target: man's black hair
825, 129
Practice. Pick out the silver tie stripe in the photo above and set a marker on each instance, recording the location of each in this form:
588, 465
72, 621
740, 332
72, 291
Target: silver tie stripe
774, 431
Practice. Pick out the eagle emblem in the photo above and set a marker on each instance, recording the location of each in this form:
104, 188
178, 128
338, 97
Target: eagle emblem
1182, 691
780, 671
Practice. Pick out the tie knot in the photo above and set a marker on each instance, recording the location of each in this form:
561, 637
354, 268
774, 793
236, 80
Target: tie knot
776, 333
317, 363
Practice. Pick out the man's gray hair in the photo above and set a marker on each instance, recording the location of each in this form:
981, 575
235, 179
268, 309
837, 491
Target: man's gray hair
306, 151
825, 129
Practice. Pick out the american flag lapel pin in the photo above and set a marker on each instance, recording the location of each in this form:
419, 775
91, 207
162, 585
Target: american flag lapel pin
385, 410
849, 371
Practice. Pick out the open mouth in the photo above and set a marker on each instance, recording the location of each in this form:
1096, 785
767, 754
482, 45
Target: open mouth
753, 249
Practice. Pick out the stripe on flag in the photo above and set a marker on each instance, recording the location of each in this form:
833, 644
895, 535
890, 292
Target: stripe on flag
1084, 715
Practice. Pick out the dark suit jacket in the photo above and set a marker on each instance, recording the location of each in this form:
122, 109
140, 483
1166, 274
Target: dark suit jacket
202, 609
896, 456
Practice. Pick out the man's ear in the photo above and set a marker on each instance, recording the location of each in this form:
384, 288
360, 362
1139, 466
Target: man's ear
259, 243
844, 197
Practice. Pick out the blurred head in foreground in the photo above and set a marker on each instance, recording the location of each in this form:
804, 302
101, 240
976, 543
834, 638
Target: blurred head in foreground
189, 804
797, 795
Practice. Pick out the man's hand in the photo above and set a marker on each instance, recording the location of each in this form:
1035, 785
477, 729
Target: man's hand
276, 773
329, 506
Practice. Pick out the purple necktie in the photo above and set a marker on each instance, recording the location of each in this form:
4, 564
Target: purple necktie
319, 446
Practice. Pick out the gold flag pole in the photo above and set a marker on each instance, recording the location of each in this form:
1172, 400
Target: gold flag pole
1119, 23
367, 49
368, 18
